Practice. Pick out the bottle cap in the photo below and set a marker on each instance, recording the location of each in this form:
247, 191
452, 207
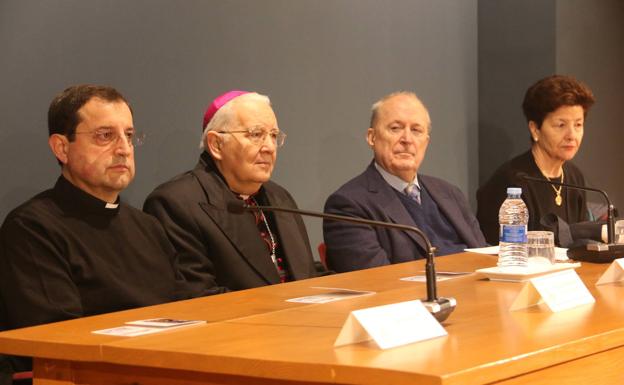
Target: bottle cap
514, 190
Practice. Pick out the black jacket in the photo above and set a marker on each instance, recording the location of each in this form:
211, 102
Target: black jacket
219, 250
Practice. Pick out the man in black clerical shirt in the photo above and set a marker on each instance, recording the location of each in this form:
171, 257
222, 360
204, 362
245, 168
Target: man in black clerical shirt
76, 249
221, 251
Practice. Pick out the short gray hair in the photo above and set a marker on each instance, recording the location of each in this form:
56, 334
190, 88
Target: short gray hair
378, 104
222, 119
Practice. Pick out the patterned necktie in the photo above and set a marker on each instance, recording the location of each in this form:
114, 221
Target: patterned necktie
413, 192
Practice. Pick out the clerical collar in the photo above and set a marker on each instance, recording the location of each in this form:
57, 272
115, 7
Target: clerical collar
80, 200
394, 181
257, 197
245, 198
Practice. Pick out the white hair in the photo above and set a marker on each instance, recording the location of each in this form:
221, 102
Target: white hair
378, 104
224, 116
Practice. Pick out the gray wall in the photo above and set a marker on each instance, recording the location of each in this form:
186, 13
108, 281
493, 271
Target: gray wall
323, 63
523, 41
590, 44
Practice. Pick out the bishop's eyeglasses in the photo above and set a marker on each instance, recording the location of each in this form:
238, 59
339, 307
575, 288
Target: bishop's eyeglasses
258, 136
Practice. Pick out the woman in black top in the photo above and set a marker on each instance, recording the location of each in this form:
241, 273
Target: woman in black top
555, 109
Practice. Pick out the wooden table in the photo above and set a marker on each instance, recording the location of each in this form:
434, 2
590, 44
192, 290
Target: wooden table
255, 337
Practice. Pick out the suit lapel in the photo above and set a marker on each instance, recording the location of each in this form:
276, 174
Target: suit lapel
450, 209
239, 229
392, 206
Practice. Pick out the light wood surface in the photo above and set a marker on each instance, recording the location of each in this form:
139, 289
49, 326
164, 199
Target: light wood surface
255, 336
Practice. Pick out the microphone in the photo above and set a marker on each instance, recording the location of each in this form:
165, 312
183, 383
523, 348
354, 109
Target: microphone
592, 252
439, 307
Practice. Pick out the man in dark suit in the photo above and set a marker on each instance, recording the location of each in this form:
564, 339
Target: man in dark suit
218, 250
390, 190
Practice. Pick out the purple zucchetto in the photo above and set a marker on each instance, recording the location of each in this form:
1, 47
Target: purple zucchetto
219, 102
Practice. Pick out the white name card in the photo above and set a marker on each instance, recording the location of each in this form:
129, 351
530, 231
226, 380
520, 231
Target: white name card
560, 291
615, 273
390, 325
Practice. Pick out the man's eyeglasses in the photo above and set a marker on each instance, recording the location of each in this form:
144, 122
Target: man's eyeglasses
257, 136
105, 136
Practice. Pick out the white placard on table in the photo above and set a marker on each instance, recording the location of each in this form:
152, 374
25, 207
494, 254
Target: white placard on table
128, 331
332, 294
148, 326
440, 276
390, 325
559, 291
615, 273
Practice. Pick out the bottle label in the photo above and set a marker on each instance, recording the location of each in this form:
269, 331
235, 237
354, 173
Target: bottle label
513, 233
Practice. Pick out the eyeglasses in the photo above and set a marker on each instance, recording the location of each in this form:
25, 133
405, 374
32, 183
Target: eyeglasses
257, 136
105, 136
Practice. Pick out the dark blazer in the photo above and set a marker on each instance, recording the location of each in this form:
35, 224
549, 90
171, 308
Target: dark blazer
221, 251
353, 247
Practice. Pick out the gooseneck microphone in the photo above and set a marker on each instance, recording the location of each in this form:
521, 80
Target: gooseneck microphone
440, 308
593, 252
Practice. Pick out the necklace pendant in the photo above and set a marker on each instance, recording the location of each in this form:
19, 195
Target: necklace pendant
558, 200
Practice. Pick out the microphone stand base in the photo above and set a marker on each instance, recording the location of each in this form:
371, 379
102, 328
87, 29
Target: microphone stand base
597, 252
441, 308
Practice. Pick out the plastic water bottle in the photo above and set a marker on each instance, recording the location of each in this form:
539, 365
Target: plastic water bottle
513, 219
